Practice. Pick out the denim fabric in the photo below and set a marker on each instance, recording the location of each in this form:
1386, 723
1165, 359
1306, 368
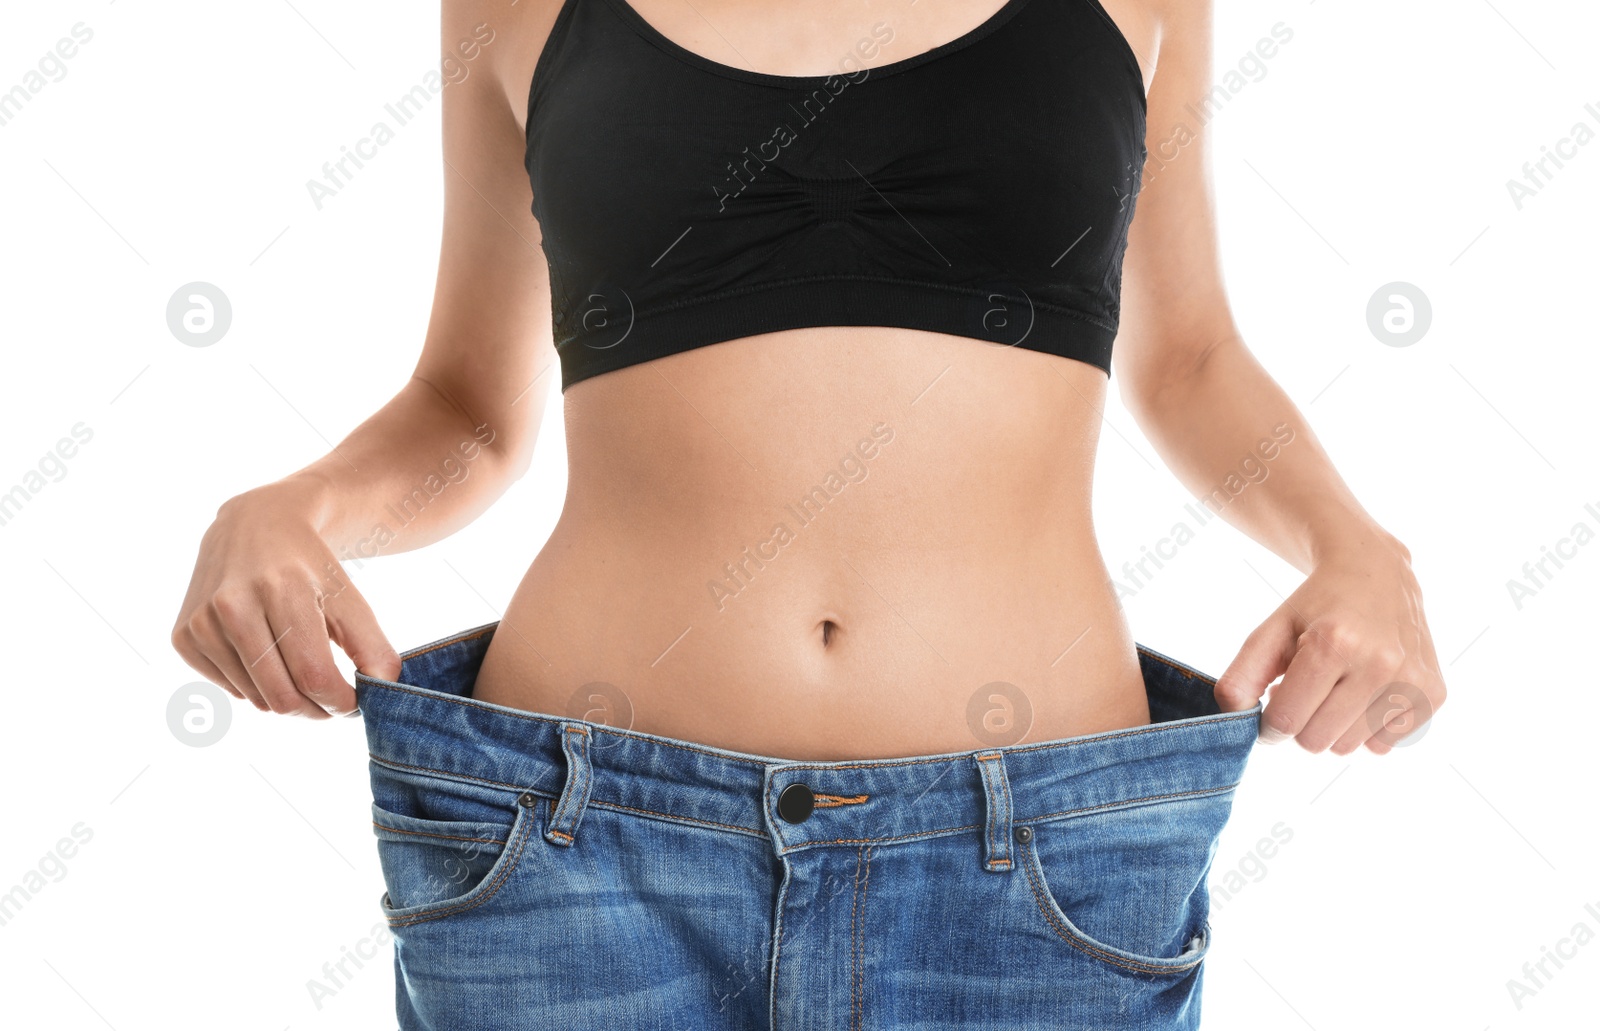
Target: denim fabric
552, 872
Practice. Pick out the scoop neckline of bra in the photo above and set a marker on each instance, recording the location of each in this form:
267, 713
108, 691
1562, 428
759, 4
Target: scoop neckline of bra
637, 21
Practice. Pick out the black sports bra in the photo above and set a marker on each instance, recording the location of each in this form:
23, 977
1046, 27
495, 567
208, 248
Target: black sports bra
981, 189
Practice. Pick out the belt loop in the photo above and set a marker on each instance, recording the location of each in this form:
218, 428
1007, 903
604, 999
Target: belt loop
575, 793
997, 825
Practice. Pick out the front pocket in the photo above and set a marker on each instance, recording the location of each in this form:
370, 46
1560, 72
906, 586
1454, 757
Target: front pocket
438, 868
1128, 886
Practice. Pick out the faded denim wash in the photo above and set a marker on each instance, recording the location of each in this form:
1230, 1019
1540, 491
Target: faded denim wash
546, 872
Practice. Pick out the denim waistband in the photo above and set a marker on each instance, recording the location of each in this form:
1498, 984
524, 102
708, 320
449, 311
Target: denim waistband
425, 722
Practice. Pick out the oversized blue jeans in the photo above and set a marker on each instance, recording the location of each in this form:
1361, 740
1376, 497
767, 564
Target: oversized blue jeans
548, 872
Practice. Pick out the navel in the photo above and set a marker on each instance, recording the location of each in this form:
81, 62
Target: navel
830, 632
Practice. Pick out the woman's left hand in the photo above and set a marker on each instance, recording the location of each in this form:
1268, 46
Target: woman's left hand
1354, 651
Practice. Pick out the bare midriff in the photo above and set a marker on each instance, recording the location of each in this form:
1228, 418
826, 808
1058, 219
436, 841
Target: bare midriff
827, 543
834, 542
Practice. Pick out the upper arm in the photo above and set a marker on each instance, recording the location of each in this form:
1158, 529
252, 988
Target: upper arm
489, 348
1174, 307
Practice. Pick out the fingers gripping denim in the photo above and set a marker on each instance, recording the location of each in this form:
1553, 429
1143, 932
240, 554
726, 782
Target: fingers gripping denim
552, 872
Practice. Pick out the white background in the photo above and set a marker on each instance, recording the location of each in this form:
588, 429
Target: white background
219, 880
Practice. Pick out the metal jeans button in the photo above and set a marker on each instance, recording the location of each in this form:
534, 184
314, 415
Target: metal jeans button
795, 803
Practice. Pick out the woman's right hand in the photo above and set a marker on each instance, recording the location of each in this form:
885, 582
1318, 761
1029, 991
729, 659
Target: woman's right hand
267, 600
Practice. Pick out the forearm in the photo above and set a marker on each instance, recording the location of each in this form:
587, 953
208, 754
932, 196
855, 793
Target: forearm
413, 473
1233, 437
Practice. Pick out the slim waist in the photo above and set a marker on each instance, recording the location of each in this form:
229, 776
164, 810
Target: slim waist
426, 723
807, 639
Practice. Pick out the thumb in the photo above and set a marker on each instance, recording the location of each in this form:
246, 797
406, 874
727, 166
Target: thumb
1263, 659
354, 628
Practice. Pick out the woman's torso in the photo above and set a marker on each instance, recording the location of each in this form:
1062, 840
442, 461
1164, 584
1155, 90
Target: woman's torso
833, 542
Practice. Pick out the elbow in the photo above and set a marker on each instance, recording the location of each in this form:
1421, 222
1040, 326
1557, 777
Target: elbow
1148, 386
514, 459
506, 442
